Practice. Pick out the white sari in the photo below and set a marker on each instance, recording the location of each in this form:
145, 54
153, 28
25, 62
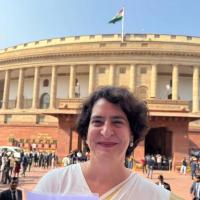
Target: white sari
70, 180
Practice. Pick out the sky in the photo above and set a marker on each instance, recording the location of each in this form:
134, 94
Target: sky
23, 21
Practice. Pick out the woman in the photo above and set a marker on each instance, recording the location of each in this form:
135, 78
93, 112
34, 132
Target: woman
17, 168
112, 122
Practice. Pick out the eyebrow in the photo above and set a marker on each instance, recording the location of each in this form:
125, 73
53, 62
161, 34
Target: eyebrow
113, 117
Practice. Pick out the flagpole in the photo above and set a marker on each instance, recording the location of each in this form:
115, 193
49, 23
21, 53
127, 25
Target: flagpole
122, 34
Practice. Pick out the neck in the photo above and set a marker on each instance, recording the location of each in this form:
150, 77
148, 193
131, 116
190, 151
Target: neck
101, 171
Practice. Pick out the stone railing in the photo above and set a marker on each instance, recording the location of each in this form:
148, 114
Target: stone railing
168, 105
73, 103
76, 104
104, 38
153, 104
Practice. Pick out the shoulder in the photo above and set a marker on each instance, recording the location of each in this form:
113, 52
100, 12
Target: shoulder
54, 180
18, 190
4, 193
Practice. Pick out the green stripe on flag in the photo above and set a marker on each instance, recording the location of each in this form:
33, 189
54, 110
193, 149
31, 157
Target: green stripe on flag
115, 19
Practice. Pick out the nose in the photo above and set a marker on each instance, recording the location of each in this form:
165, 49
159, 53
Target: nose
107, 130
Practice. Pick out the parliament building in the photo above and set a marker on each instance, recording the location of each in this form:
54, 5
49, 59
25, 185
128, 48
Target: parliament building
43, 84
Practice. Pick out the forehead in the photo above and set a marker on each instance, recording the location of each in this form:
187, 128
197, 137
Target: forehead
13, 182
104, 107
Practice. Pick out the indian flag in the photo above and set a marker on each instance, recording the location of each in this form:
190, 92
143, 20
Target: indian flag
118, 16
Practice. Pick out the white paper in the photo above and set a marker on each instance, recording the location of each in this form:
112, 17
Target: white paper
36, 196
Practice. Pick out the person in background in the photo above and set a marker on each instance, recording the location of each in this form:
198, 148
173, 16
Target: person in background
159, 161
12, 193
12, 163
183, 166
130, 160
17, 167
112, 122
150, 167
24, 164
77, 88
162, 183
195, 188
193, 167
144, 167
66, 161
6, 178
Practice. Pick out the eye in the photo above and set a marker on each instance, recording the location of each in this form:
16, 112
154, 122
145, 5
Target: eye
97, 122
117, 122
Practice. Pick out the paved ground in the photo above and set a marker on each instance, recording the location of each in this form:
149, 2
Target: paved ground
180, 184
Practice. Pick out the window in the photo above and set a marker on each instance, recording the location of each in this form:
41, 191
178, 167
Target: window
102, 70
77, 37
123, 44
40, 119
46, 83
7, 119
143, 70
140, 35
122, 70
144, 44
44, 101
142, 92
102, 44
62, 39
156, 36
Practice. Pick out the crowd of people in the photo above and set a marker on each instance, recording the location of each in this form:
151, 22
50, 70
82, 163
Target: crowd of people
76, 156
11, 166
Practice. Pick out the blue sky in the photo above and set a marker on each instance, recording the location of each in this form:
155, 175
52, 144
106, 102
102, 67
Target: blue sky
24, 21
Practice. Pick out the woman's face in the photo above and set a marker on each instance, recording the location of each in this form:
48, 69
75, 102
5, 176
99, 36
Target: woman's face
109, 132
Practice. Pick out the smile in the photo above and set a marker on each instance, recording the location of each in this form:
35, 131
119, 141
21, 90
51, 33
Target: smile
107, 144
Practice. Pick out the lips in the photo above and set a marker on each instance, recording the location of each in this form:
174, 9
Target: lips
107, 144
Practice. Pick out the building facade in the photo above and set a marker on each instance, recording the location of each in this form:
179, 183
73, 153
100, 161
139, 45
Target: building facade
43, 84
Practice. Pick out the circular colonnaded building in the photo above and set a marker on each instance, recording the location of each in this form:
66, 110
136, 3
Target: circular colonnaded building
43, 84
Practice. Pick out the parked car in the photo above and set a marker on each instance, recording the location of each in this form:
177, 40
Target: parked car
11, 149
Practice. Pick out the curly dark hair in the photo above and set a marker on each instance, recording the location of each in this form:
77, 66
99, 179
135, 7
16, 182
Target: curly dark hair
135, 110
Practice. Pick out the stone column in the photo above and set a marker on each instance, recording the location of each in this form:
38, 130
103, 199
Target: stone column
111, 75
6, 90
53, 91
132, 81
175, 74
195, 89
153, 81
91, 79
72, 81
20, 90
36, 88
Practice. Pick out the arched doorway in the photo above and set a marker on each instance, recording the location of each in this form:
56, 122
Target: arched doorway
159, 141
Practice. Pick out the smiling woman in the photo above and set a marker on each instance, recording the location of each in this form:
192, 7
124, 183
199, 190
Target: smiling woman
112, 122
